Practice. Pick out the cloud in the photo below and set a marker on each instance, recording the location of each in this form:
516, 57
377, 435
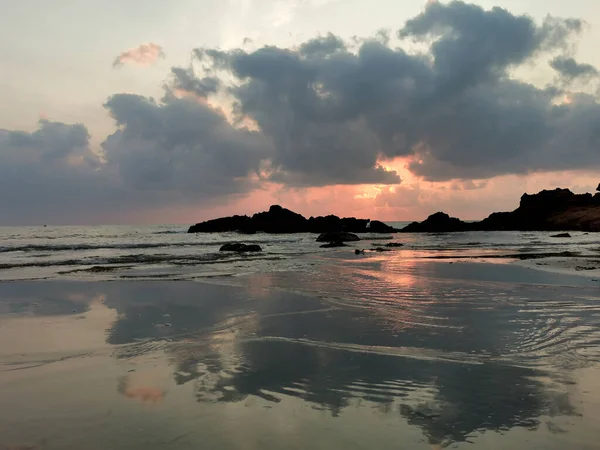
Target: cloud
181, 146
176, 152
323, 113
51, 142
184, 80
51, 173
570, 69
144, 55
334, 114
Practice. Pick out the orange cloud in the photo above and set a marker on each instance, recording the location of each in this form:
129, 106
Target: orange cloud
144, 55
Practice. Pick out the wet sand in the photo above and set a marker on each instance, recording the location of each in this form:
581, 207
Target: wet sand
359, 354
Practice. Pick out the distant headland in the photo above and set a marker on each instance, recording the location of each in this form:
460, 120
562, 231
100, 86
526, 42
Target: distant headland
557, 210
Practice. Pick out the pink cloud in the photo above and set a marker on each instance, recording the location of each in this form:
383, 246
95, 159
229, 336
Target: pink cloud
144, 55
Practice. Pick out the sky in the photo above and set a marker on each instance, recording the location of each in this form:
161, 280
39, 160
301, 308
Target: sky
176, 112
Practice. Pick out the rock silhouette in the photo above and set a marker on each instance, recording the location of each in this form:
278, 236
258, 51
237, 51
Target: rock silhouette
556, 210
239, 247
337, 237
281, 220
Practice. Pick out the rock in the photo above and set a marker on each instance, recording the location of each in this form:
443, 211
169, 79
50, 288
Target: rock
359, 252
436, 223
338, 237
333, 223
239, 247
222, 225
561, 235
280, 220
333, 245
375, 226
555, 210
598, 188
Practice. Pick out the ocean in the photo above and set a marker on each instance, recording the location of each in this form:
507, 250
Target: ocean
149, 337
169, 252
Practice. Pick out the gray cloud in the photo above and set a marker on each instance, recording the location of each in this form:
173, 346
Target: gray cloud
471, 44
332, 113
570, 69
52, 141
185, 80
182, 146
51, 174
176, 152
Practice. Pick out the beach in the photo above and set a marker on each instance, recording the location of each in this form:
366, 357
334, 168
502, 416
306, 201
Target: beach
446, 342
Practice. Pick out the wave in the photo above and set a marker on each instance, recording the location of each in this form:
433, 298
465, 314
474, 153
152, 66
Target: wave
79, 247
177, 260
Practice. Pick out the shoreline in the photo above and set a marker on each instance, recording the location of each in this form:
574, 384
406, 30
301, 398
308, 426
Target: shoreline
378, 342
585, 266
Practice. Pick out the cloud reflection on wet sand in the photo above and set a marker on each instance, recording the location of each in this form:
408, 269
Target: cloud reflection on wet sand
450, 359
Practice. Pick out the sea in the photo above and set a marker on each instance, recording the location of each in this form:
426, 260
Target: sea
144, 337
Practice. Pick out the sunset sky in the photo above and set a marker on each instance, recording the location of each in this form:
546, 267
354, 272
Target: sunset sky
175, 112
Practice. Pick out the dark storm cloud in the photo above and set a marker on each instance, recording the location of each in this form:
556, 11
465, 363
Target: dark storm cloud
333, 113
570, 69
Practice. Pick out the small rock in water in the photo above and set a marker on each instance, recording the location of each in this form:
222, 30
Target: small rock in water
561, 235
338, 237
359, 252
389, 245
239, 247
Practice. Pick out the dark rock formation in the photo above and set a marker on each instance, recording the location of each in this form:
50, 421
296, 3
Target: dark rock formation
379, 227
437, 223
239, 247
333, 244
561, 235
359, 252
281, 220
334, 223
555, 210
337, 237
222, 225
